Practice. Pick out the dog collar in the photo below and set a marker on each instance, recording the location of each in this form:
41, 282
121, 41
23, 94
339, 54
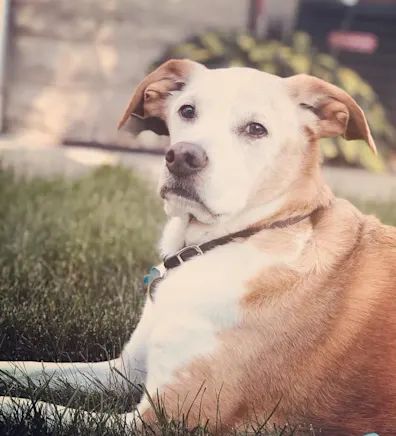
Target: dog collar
186, 253
191, 251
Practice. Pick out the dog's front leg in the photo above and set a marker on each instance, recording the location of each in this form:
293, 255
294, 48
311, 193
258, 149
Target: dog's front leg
127, 371
81, 375
55, 416
52, 414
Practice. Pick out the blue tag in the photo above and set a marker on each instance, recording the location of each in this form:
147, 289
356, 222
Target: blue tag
148, 278
371, 434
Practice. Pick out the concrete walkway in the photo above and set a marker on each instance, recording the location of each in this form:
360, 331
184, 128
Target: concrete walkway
47, 161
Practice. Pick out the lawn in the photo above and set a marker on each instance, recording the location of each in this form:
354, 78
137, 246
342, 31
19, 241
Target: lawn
72, 258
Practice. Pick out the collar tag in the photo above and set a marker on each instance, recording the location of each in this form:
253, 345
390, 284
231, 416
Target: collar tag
152, 279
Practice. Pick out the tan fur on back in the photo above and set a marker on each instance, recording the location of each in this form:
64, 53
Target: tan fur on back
330, 351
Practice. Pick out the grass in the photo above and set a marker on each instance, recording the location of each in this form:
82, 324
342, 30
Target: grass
72, 258
386, 212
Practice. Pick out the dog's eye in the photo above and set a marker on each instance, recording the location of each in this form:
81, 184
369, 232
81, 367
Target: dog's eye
256, 130
187, 111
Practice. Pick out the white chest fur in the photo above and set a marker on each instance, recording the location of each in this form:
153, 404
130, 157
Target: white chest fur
195, 302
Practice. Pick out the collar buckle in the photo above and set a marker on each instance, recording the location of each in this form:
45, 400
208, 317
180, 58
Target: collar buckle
191, 251
187, 252
182, 256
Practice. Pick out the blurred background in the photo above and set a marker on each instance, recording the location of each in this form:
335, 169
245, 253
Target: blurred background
69, 67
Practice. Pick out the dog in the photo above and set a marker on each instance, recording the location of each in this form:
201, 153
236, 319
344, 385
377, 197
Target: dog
274, 295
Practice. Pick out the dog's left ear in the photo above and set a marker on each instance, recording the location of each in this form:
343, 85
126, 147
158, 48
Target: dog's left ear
337, 112
149, 97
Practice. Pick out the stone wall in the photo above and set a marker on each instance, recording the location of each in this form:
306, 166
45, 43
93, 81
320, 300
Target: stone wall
74, 63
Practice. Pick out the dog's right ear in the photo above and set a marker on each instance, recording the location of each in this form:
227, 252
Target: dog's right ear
149, 97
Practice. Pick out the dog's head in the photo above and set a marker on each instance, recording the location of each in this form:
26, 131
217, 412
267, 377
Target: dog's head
239, 134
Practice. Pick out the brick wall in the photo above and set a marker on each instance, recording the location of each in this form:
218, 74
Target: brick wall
74, 63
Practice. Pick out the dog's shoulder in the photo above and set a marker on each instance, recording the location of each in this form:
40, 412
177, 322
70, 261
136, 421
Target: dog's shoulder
379, 235
367, 269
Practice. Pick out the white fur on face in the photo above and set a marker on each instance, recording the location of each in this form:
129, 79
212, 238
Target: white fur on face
226, 101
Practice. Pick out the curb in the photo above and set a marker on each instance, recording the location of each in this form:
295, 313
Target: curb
72, 162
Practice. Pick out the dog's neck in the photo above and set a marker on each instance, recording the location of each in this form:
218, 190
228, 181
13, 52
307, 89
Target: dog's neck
301, 201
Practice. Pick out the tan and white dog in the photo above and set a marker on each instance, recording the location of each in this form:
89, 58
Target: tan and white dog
292, 301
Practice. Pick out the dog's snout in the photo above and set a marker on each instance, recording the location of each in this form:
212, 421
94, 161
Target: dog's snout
184, 159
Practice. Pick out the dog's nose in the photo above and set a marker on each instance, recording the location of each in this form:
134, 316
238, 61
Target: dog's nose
184, 159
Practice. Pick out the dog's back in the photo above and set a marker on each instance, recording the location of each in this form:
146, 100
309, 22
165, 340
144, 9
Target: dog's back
366, 372
335, 354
